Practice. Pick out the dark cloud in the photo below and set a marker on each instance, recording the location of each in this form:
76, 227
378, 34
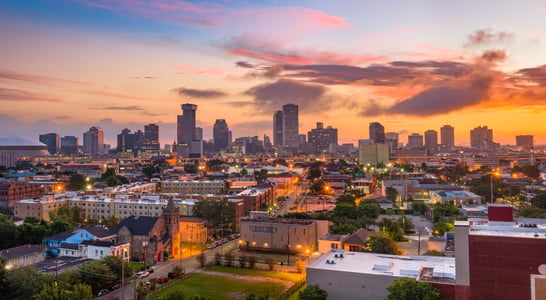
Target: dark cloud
390, 74
536, 75
265, 72
145, 77
132, 107
493, 56
485, 37
271, 96
195, 93
244, 64
444, 99
21, 95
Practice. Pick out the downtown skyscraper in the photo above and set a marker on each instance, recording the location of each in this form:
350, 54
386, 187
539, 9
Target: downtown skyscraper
447, 136
186, 129
377, 133
220, 135
290, 125
277, 128
93, 141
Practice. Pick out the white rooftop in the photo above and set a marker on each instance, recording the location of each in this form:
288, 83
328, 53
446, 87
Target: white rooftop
440, 268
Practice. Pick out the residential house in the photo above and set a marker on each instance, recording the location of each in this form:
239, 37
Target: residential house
23, 255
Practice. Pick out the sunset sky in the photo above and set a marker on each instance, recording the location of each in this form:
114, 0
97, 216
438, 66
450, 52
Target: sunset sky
67, 65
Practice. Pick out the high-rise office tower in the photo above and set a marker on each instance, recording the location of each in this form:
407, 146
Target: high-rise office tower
392, 138
277, 128
290, 125
431, 139
525, 141
415, 140
480, 137
447, 136
185, 129
322, 137
377, 133
52, 141
220, 135
69, 145
125, 140
151, 138
93, 141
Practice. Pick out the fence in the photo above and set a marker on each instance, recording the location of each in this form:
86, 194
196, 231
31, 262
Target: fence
168, 284
298, 285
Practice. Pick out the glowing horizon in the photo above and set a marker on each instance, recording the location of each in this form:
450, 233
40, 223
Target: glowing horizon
119, 64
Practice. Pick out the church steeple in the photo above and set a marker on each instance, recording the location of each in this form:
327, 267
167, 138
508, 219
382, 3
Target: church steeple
171, 215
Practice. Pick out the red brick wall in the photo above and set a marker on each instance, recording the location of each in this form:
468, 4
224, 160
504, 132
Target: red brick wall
447, 290
500, 267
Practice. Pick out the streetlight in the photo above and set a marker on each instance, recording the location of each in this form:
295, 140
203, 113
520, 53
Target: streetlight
123, 253
496, 173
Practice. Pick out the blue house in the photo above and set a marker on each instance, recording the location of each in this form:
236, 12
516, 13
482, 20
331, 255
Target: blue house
76, 236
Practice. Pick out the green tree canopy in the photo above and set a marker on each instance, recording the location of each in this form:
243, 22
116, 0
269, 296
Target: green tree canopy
391, 193
76, 182
313, 292
408, 288
8, 233
539, 201
59, 292
381, 244
369, 209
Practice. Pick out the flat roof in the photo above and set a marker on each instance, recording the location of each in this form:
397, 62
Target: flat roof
520, 228
427, 268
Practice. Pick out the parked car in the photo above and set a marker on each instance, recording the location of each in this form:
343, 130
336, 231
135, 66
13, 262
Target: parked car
162, 279
142, 274
115, 287
172, 275
103, 292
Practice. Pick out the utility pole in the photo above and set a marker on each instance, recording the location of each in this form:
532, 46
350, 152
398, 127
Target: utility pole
288, 248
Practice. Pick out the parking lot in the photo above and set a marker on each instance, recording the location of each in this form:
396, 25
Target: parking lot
60, 263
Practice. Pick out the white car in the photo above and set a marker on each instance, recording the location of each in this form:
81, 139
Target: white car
142, 274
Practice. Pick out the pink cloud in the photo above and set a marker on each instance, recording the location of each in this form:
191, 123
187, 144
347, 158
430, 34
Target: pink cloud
277, 52
46, 80
21, 95
117, 95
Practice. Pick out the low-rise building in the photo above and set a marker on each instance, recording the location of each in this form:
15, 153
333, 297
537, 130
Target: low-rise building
454, 197
281, 235
193, 230
188, 187
23, 255
13, 191
359, 275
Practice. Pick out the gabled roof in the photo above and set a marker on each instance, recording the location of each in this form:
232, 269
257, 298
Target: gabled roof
137, 225
60, 236
22, 250
99, 232
359, 237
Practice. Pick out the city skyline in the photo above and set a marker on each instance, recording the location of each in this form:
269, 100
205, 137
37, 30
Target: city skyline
72, 65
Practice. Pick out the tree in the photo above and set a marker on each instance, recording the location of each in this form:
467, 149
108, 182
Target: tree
317, 187
369, 209
61, 292
433, 253
31, 234
343, 228
346, 210
114, 263
439, 228
300, 266
391, 193
176, 295
202, 259
59, 225
76, 182
347, 199
539, 201
8, 233
24, 283
313, 292
314, 173
408, 288
97, 274
391, 228
381, 244
530, 211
